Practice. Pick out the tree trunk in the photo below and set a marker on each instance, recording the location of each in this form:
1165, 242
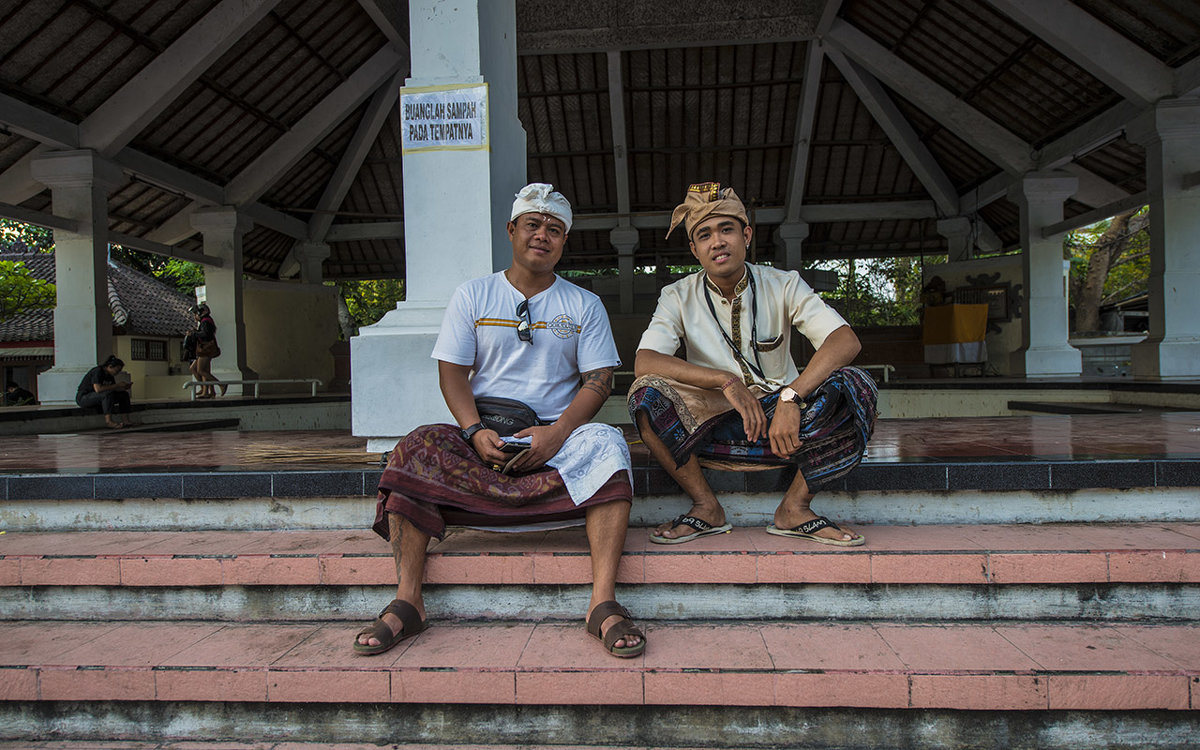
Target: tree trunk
1108, 248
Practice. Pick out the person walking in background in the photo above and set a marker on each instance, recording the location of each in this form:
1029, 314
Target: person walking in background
100, 389
204, 350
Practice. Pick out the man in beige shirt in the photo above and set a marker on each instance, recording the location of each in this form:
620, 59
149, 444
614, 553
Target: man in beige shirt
738, 397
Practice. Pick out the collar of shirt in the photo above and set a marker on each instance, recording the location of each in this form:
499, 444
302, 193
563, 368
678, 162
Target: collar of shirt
737, 290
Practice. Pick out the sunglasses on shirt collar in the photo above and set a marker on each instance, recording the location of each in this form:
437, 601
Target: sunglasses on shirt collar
524, 327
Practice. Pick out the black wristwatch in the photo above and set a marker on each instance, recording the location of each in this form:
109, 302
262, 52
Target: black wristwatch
469, 433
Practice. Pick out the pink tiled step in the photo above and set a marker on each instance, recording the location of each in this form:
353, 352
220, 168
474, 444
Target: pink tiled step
976, 666
192, 745
970, 554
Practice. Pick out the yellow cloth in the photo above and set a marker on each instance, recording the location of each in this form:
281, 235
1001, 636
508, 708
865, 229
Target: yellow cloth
955, 324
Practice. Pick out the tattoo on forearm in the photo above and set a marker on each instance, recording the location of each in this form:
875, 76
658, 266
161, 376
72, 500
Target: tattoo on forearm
599, 381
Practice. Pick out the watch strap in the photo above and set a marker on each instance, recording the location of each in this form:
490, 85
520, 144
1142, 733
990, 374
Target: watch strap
469, 432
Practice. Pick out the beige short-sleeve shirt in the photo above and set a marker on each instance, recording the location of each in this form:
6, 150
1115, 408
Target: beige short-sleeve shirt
785, 302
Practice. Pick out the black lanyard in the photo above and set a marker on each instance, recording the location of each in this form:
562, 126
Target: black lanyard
753, 325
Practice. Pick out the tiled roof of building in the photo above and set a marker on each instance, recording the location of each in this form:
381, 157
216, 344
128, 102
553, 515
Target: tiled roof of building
140, 304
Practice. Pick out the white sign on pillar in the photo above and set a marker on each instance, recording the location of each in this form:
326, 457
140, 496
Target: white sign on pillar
444, 118
464, 160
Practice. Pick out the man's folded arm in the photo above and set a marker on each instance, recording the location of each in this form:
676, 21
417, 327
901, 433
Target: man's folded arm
595, 386
838, 350
651, 362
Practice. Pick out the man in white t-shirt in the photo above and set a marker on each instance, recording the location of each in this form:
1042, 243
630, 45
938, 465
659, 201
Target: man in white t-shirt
738, 397
527, 335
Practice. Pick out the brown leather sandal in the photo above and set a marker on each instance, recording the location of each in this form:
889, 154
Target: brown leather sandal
624, 628
410, 621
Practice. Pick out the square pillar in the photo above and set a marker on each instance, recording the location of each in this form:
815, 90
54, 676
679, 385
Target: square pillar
310, 256
957, 231
1171, 134
79, 183
625, 240
456, 206
222, 228
789, 241
1045, 325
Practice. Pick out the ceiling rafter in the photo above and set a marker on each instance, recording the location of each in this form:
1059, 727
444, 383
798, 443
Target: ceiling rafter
248, 185
810, 89
901, 133
1094, 46
981, 132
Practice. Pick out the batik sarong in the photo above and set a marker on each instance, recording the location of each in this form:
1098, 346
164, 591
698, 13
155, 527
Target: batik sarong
836, 422
434, 478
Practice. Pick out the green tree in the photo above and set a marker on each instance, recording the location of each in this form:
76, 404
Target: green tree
370, 300
1110, 260
876, 292
19, 237
183, 275
21, 291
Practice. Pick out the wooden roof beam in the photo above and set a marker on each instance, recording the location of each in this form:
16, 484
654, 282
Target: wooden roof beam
901, 133
1091, 44
982, 133
810, 89
112, 125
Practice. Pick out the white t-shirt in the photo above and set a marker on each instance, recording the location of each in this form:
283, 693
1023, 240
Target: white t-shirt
571, 336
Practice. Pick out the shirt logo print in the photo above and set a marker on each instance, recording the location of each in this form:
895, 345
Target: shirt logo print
563, 327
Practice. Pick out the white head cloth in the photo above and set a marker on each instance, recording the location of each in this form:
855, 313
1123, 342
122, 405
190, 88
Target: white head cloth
538, 197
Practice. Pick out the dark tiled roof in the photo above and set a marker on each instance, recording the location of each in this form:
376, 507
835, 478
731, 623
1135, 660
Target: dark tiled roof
140, 304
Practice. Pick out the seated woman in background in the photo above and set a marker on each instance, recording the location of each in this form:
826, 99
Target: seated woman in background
99, 388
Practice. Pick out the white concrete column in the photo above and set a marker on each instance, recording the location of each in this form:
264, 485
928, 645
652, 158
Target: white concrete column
1171, 134
222, 228
79, 183
957, 231
789, 240
1045, 326
310, 256
456, 206
625, 240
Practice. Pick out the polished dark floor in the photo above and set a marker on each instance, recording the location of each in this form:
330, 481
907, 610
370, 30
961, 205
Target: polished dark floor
1170, 435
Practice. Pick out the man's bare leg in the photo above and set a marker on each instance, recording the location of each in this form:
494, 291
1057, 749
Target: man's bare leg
409, 545
705, 505
606, 526
794, 510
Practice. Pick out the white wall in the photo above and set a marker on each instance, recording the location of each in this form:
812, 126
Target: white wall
289, 329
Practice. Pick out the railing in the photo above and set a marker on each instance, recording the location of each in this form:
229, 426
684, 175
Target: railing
886, 369
195, 384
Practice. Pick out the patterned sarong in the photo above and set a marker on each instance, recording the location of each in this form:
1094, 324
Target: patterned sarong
835, 425
435, 478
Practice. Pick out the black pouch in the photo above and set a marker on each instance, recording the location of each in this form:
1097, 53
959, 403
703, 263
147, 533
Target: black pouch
505, 415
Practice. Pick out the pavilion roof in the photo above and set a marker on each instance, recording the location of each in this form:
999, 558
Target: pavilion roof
895, 113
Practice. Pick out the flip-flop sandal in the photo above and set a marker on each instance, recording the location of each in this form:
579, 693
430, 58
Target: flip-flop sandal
808, 530
410, 621
703, 528
620, 630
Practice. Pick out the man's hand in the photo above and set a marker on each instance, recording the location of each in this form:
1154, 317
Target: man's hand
487, 444
547, 440
785, 429
754, 422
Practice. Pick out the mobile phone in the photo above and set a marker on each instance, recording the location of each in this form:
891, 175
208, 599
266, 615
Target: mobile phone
513, 447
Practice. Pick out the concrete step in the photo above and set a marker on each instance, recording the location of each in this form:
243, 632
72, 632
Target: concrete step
920, 492
1013, 666
1108, 572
